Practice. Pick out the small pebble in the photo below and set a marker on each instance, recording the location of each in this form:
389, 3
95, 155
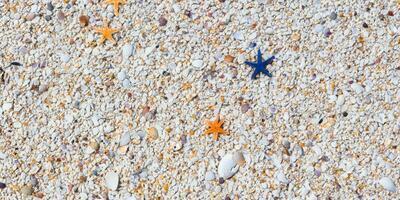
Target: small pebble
112, 180
162, 21
84, 20
333, 16
27, 190
60, 16
365, 25
47, 17
229, 58
127, 51
34, 181
245, 107
209, 176
390, 13
121, 75
319, 28
49, 6
2, 185
221, 180
126, 83
30, 16
125, 139
64, 58
238, 36
197, 63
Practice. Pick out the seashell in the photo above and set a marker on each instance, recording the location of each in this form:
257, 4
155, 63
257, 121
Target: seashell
112, 180
239, 158
388, 184
84, 20
227, 167
177, 146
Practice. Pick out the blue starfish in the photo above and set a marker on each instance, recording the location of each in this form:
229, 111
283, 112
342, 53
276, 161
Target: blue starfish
259, 66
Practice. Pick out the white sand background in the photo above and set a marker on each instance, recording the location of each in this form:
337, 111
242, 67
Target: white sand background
78, 120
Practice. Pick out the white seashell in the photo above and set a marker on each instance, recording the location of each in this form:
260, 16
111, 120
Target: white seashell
125, 139
388, 184
177, 146
112, 180
198, 64
227, 167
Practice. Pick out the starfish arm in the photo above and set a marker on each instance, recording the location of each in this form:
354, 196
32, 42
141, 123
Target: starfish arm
102, 40
116, 10
215, 136
254, 75
98, 30
251, 64
269, 60
114, 30
259, 56
266, 72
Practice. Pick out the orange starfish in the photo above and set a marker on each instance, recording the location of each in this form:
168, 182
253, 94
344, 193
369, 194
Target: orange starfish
116, 4
106, 33
215, 128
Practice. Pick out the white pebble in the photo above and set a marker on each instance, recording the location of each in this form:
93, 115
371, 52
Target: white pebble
238, 36
227, 167
112, 180
198, 64
125, 139
127, 51
121, 75
269, 31
280, 176
319, 28
126, 83
7, 106
209, 176
388, 184
64, 58
357, 88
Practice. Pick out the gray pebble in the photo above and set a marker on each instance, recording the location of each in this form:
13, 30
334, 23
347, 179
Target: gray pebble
162, 21
34, 181
50, 6
333, 16
47, 17
2, 185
